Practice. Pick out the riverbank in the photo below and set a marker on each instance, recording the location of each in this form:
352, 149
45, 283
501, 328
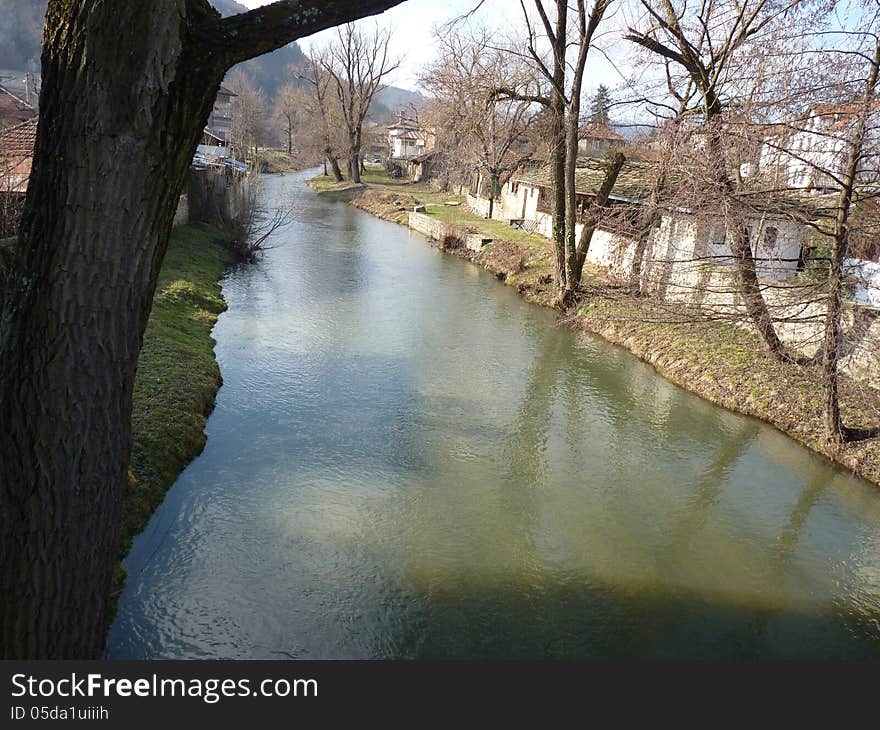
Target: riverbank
722, 363
177, 378
274, 162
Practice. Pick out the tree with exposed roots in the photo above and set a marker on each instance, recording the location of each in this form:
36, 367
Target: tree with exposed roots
126, 94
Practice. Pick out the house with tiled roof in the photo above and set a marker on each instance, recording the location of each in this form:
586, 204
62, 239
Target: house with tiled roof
682, 235
16, 157
596, 138
13, 110
408, 138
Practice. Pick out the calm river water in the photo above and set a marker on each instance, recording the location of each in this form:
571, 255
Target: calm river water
407, 460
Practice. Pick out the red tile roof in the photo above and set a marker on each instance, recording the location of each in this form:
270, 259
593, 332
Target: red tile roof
19, 141
11, 107
599, 131
16, 156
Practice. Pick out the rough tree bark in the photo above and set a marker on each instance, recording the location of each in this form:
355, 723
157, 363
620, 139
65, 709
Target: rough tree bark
837, 432
579, 256
557, 109
587, 26
114, 143
557, 36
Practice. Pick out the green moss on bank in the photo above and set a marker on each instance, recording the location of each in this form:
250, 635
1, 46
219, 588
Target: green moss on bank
177, 376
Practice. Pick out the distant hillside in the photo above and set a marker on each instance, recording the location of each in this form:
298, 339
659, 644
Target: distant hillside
632, 129
392, 99
21, 34
269, 72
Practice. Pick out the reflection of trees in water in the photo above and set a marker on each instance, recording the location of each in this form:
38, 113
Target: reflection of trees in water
709, 486
524, 451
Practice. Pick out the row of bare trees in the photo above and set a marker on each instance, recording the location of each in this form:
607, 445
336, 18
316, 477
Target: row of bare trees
343, 78
798, 79
726, 81
322, 111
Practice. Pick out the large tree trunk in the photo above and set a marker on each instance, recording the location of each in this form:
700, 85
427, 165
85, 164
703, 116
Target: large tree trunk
334, 166
75, 307
831, 350
124, 100
738, 240
570, 195
586, 29
837, 432
750, 287
494, 184
579, 257
557, 111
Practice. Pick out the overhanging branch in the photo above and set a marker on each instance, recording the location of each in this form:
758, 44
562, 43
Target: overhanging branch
240, 37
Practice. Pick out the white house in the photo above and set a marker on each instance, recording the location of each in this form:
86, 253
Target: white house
802, 152
220, 122
680, 244
408, 138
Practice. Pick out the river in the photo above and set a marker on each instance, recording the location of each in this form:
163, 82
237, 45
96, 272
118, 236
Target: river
407, 460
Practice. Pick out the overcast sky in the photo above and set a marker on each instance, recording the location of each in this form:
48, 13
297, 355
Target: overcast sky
413, 22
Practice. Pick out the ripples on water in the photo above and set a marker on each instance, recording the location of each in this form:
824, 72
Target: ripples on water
407, 460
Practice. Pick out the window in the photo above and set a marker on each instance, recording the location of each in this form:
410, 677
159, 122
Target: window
545, 200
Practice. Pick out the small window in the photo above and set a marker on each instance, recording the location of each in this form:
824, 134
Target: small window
771, 236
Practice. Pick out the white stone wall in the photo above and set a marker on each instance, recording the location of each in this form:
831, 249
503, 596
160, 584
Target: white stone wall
427, 226
677, 269
867, 281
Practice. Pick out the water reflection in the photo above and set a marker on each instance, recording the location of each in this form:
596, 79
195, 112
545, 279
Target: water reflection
407, 460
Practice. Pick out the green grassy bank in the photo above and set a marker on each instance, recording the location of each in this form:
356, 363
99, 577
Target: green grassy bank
177, 376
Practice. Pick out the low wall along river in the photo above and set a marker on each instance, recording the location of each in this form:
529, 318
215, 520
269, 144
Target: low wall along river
408, 460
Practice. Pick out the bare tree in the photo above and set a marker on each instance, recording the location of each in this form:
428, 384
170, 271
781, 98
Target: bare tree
357, 62
490, 129
575, 251
829, 156
250, 125
286, 113
554, 72
255, 220
705, 39
321, 105
564, 102
856, 145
